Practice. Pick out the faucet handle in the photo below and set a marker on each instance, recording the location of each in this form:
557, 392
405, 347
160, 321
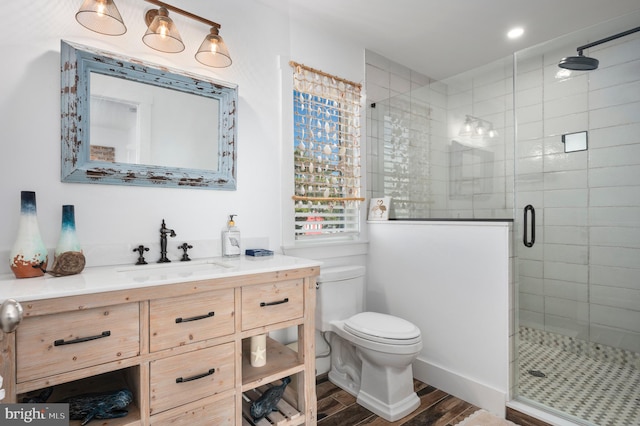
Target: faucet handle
185, 256
141, 249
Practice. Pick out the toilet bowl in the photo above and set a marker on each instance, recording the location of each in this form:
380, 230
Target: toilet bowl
371, 353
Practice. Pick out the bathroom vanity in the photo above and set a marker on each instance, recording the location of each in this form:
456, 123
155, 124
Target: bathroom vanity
177, 335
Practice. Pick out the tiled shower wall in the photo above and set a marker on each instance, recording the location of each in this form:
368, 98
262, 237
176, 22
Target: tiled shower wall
416, 154
582, 277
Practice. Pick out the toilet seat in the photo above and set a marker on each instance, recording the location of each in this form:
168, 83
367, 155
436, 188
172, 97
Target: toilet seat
382, 328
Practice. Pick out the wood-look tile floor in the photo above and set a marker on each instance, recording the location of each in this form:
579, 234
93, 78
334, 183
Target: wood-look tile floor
437, 408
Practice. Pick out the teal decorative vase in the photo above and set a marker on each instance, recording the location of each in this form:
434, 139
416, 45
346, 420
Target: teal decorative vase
29, 256
68, 239
68, 259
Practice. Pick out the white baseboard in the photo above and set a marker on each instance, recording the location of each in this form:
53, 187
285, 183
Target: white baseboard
479, 394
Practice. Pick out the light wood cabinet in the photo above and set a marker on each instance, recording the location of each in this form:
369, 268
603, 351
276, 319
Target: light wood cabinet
181, 348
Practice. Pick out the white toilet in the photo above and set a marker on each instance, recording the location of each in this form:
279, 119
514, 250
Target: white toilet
371, 353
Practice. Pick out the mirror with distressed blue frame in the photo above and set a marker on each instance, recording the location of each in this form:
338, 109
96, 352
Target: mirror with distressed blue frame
127, 122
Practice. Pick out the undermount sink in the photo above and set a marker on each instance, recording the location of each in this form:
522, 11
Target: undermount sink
161, 271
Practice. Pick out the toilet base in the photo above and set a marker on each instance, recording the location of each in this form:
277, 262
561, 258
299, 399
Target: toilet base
390, 413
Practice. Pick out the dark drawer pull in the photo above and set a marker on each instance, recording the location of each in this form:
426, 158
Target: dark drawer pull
199, 317
279, 302
61, 342
199, 376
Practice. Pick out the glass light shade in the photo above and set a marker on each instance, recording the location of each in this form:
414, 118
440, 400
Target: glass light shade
162, 34
101, 16
213, 51
466, 128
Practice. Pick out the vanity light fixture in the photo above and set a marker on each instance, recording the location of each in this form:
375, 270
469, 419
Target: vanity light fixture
162, 34
213, 51
101, 16
477, 127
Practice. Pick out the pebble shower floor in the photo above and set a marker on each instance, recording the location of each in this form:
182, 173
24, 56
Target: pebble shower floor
600, 392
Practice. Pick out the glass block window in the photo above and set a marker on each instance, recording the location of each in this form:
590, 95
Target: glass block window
327, 166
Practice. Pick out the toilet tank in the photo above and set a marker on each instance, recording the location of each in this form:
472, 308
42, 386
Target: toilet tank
340, 294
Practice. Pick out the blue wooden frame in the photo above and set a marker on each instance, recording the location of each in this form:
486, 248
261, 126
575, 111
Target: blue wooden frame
77, 62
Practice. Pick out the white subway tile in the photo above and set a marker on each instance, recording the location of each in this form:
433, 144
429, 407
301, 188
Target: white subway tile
528, 97
612, 76
528, 80
614, 216
565, 161
615, 156
614, 116
529, 165
531, 285
615, 95
620, 257
625, 134
624, 298
567, 124
615, 236
530, 268
531, 302
614, 276
566, 308
614, 176
568, 105
377, 76
565, 179
528, 114
566, 234
566, 272
622, 196
528, 131
566, 290
578, 329
563, 88
566, 198
567, 253
399, 83
625, 319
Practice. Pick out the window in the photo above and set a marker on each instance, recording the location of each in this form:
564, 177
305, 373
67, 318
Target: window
326, 154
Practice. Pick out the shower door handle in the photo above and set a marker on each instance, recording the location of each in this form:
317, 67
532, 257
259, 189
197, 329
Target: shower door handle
529, 211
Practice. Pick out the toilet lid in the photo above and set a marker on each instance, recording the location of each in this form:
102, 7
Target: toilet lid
382, 327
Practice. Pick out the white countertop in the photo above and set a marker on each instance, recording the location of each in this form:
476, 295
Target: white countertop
123, 277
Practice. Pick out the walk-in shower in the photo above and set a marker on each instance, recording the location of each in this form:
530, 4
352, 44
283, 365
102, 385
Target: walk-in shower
578, 286
576, 280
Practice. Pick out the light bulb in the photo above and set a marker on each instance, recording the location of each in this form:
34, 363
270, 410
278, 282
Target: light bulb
101, 8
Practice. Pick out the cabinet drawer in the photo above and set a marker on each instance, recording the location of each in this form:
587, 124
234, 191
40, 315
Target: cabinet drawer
271, 303
188, 377
57, 343
219, 413
178, 321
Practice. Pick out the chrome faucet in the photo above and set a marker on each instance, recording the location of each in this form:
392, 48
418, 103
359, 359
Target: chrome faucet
163, 242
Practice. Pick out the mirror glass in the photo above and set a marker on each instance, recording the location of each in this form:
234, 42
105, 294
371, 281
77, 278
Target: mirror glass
127, 122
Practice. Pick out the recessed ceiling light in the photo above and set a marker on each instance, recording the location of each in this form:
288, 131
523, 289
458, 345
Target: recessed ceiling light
515, 32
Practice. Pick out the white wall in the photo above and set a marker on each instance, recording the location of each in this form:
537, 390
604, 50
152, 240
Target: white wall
452, 281
111, 220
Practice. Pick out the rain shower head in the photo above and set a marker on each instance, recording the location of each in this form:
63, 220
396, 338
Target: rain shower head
585, 63
579, 63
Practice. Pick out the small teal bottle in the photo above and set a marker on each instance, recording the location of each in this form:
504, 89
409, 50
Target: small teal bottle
68, 240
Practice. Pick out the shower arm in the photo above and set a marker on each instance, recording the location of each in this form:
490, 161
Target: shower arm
607, 39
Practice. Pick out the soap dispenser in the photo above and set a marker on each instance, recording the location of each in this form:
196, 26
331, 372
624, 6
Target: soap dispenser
231, 239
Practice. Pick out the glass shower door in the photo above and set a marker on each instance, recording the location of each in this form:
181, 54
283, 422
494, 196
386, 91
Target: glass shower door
578, 219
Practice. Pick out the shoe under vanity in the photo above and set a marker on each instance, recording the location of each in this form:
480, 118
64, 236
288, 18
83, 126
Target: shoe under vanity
176, 335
